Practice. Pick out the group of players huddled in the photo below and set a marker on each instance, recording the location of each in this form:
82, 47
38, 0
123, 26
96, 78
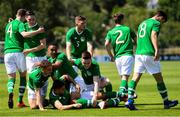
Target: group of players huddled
26, 51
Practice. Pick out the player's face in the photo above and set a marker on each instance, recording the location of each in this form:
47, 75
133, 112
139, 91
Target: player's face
161, 19
86, 63
52, 50
60, 91
31, 19
81, 24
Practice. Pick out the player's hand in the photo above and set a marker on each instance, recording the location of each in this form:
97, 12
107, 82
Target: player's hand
41, 29
25, 52
78, 88
10, 19
156, 56
78, 105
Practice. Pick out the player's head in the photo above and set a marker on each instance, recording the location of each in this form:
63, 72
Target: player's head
30, 18
58, 87
21, 14
46, 67
161, 16
80, 22
86, 59
52, 49
118, 18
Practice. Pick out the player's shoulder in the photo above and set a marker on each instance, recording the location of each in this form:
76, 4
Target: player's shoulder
88, 30
71, 30
94, 62
35, 73
61, 55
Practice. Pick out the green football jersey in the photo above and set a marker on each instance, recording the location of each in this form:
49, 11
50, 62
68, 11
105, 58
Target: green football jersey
66, 66
13, 38
88, 74
78, 41
121, 40
144, 43
36, 78
34, 41
65, 99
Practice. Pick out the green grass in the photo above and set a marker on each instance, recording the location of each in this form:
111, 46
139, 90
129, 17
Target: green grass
149, 101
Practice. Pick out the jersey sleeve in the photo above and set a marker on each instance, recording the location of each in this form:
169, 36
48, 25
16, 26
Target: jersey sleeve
77, 62
21, 27
68, 36
108, 36
60, 58
156, 27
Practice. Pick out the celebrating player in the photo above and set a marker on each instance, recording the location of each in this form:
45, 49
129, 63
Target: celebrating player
37, 84
147, 59
14, 58
120, 38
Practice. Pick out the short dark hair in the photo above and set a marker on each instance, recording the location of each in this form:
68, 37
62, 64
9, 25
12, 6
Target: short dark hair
54, 43
45, 63
118, 18
29, 13
163, 14
80, 18
86, 55
21, 12
58, 84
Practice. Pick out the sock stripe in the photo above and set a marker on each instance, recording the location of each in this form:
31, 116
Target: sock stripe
22, 87
163, 91
131, 89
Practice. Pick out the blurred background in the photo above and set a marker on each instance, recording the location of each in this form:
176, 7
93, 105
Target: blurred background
57, 16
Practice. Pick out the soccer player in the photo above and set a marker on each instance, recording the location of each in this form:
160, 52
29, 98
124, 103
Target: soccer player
14, 58
121, 39
147, 59
35, 46
37, 84
60, 98
62, 66
78, 39
91, 74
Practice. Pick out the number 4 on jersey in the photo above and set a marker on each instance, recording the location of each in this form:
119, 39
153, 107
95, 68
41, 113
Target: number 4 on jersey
9, 30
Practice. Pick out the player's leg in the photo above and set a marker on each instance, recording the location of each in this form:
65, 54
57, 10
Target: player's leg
44, 89
139, 68
86, 103
32, 99
109, 103
21, 65
11, 72
104, 82
163, 91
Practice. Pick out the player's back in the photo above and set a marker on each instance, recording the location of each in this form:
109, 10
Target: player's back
13, 38
144, 44
121, 40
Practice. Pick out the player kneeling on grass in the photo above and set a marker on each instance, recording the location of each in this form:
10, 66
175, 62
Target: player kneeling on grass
91, 74
37, 81
60, 98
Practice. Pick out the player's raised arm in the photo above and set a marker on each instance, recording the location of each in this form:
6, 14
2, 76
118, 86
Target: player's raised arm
30, 34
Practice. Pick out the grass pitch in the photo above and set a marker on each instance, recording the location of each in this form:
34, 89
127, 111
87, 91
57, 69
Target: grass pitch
148, 102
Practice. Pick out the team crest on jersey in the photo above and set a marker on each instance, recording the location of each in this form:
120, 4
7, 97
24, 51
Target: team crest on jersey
82, 38
89, 73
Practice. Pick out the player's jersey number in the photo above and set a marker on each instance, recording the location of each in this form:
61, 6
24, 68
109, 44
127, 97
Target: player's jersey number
142, 31
9, 30
118, 40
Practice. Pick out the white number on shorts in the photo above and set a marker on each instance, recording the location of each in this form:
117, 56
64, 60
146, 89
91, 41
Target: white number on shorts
118, 41
142, 31
9, 30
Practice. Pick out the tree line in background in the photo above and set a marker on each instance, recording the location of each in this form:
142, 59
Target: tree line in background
57, 16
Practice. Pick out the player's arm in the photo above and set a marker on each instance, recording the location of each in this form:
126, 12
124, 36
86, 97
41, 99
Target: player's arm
56, 65
90, 47
68, 50
32, 33
39, 99
154, 39
108, 48
74, 83
60, 106
38, 48
96, 87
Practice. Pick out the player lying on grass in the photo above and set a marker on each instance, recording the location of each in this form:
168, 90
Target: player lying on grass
37, 84
90, 72
62, 66
60, 98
